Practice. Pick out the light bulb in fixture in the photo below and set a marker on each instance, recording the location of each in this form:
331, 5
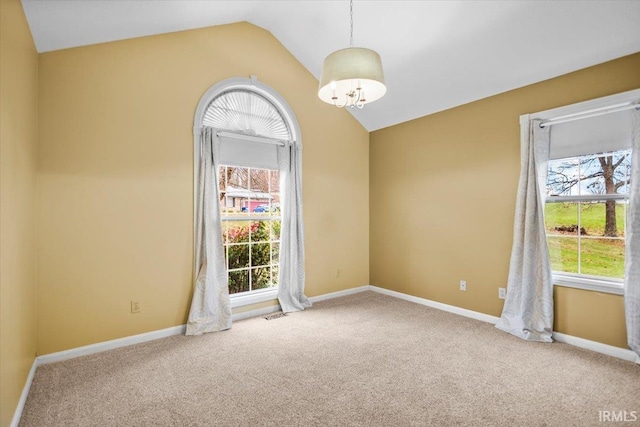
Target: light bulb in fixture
347, 73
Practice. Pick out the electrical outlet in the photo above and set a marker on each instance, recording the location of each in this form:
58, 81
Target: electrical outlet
135, 307
502, 293
337, 271
463, 285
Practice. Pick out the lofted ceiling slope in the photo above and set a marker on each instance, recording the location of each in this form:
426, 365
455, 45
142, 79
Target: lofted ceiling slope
436, 54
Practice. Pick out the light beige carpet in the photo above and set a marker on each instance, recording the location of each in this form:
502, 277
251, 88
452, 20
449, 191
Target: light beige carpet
361, 360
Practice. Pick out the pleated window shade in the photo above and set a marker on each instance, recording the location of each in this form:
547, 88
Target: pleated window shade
246, 112
600, 134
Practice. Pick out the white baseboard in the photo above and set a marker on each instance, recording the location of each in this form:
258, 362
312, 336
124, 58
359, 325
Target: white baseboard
140, 338
137, 339
274, 308
598, 347
255, 313
17, 414
440, 306
177, 330
340, 293
109, 345
609, 350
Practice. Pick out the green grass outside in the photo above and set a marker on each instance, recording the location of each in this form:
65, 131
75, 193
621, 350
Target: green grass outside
591, 217
599, 257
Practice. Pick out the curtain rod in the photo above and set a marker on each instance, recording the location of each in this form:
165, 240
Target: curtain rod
589, 113
254, 138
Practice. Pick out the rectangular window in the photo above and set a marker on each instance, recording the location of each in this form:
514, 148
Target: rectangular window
250, 211
585, 215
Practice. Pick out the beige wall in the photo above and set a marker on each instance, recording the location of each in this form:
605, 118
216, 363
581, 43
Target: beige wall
116, 170
442, 198
18, 163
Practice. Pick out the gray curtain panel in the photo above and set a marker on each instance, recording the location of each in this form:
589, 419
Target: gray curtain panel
528, 307
210, 308
632, 266
291, 278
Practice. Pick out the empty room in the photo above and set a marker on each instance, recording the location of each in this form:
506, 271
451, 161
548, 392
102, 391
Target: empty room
319, 213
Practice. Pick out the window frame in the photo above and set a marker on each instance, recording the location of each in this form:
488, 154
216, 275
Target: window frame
248, 84
585, 282
251, 217
581, 280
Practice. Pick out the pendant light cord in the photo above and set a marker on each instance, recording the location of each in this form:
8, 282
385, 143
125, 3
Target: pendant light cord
351, 14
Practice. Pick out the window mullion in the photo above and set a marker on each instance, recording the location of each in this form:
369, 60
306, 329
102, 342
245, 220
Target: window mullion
576, 179
257, 192
249, 175
579, 238
579, 218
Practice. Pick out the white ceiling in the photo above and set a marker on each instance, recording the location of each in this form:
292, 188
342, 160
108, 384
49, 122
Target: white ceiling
436, 54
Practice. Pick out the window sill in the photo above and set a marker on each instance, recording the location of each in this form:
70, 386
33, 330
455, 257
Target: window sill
589, 284
254, 297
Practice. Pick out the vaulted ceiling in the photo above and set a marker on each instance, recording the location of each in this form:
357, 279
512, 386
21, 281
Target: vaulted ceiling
436, 54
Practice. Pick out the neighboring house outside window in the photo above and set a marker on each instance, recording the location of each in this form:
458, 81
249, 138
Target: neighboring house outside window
252, 122
250, 226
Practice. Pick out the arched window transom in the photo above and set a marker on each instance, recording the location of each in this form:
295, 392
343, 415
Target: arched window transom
246, 112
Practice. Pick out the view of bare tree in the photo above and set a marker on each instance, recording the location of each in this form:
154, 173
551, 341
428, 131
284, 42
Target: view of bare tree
598, 174
258, 180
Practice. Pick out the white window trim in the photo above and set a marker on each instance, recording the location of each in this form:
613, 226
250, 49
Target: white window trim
597, 284
586, 198
580, 107
253, 297
239, 83
607, 285
251, 218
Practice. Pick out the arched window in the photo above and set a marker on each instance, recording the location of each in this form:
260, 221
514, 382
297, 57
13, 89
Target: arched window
246, 106
247, 112
252, 122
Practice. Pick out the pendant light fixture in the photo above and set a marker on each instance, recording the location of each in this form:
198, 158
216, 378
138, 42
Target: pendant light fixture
353, 76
